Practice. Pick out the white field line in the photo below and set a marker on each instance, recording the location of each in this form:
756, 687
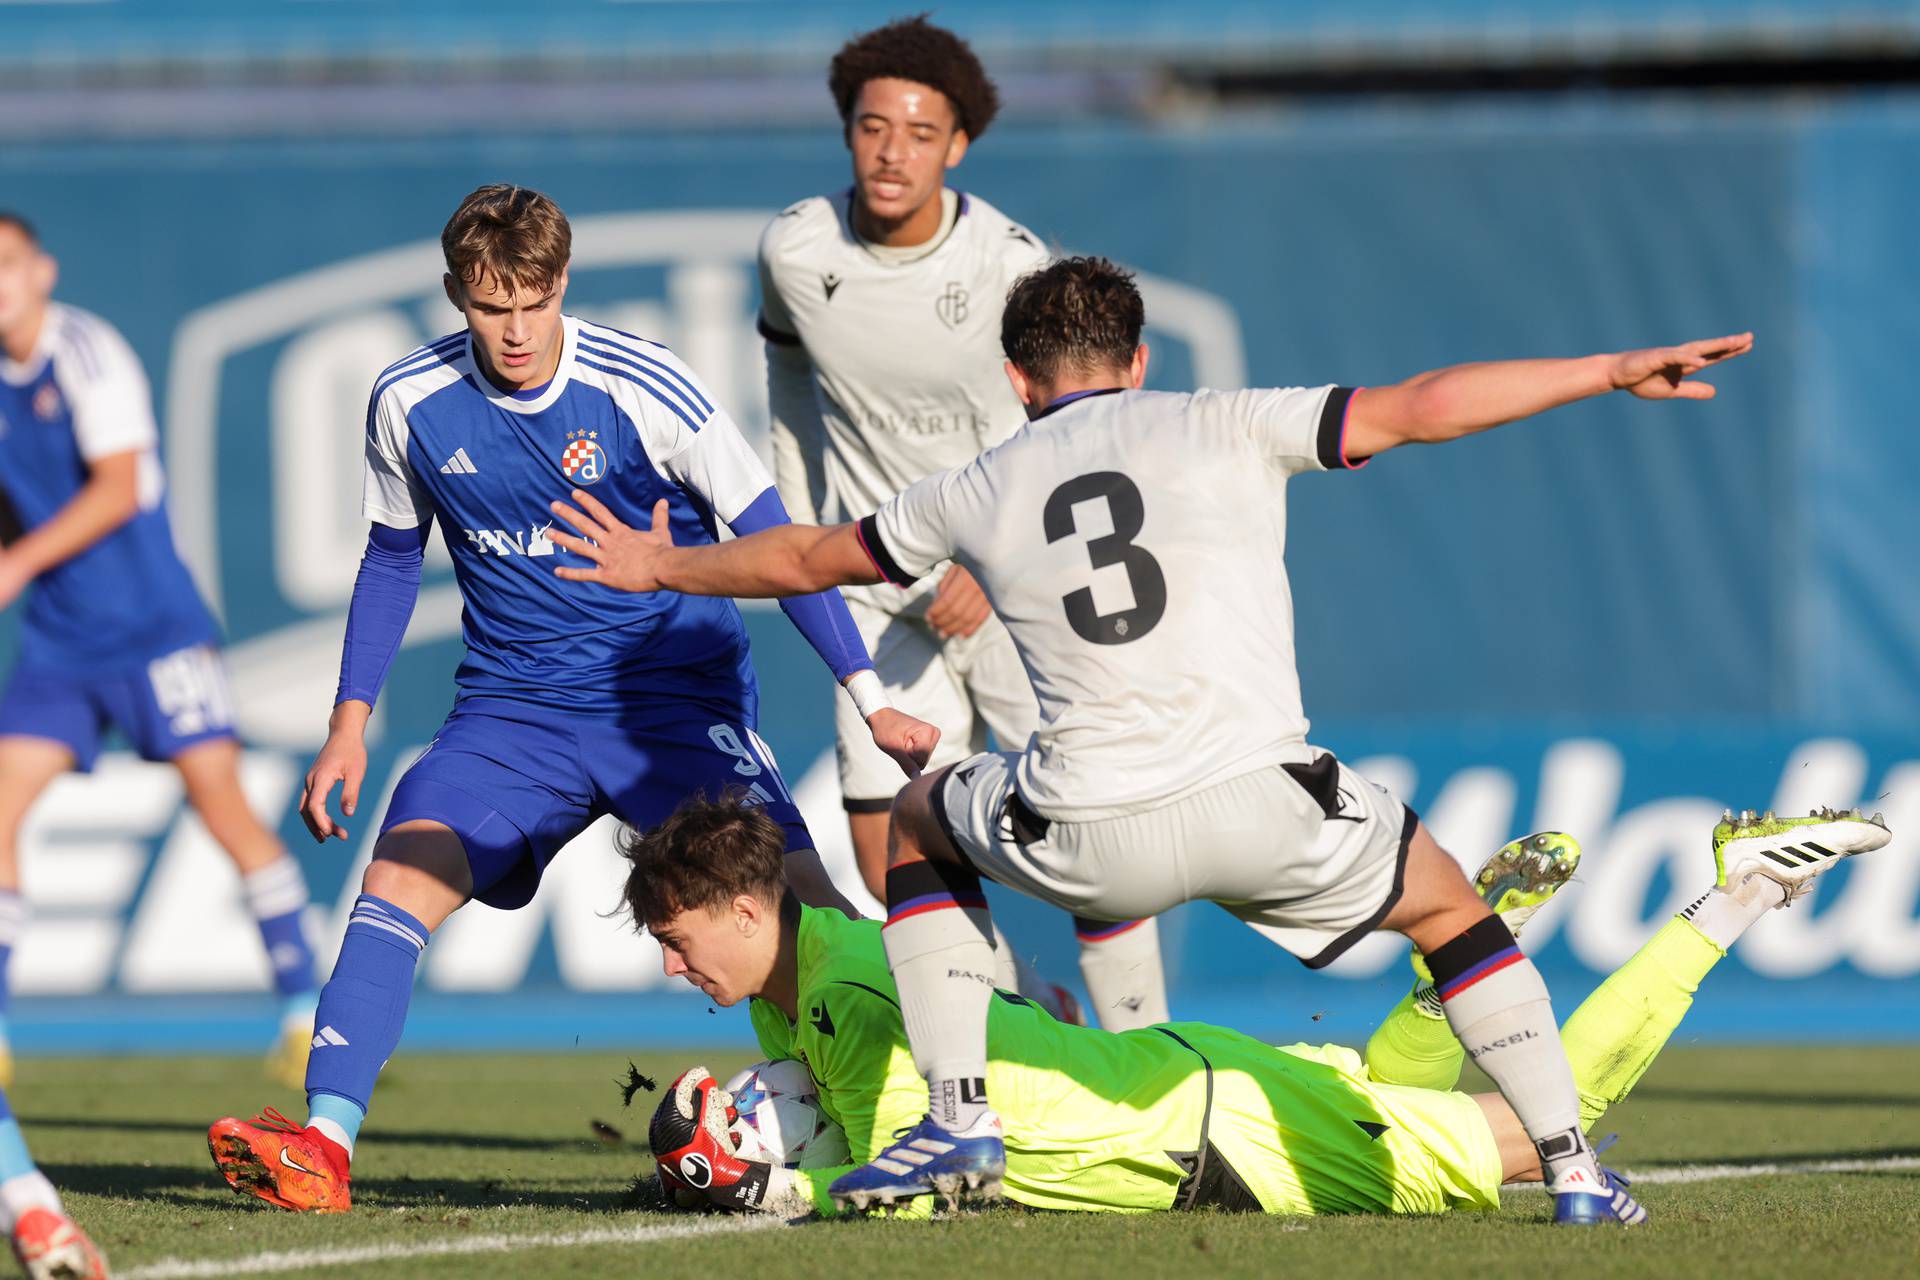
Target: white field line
1716, 1172
267, 1263
1712, 1172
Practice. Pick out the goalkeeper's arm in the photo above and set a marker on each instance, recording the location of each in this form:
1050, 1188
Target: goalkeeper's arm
864, 1072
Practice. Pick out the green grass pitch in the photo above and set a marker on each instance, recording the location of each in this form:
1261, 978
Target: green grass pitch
481, 1158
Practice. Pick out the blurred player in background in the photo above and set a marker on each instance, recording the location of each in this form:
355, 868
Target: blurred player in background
880, 305
114, 634
46, 1242
569, 705
1180, 1116
1128, 539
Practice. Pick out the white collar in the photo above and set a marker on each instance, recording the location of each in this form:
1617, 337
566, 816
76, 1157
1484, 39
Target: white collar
22, 372
570, 341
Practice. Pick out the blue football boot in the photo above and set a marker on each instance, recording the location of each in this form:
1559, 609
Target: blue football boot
969, 1165
1578, 1203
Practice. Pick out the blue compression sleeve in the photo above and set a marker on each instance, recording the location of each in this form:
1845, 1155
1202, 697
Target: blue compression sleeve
383, 596
822, 617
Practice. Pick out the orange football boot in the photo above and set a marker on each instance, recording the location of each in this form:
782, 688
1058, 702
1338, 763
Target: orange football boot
275, 1159
49, 1246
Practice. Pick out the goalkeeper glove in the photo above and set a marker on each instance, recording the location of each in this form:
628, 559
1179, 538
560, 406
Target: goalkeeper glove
694, 1150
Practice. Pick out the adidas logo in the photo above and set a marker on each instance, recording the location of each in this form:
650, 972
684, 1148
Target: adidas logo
1807, 854
459, 464
326, 1037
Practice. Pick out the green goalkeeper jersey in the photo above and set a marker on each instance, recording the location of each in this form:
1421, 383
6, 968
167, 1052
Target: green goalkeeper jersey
1176, 1116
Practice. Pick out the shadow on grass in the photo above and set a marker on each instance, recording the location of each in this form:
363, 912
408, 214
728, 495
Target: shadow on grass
204, 1191
385, 1136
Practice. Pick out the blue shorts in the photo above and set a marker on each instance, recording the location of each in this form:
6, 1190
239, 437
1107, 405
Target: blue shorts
176, 701
517, 781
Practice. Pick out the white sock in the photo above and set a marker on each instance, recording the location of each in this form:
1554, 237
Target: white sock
27, 1191
275, 889
939, 940
1722, 915
13, 917
333, 1129
1498, 1006
1124, 975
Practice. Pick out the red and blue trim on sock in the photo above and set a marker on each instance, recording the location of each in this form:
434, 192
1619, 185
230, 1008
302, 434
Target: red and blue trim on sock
1102, 930
915, 888
1472, 957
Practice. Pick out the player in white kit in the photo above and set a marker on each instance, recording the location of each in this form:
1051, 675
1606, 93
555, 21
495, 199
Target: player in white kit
1131, 540
880, 306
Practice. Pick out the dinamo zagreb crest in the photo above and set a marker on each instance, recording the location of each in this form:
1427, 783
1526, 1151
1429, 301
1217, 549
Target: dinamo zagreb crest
583, 461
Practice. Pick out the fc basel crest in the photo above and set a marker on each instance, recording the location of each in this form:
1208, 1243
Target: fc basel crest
583, 460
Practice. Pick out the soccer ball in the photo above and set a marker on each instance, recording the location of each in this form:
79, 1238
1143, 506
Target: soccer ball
780, 1120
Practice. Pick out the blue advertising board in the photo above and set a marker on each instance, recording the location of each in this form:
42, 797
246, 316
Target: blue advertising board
1615, 620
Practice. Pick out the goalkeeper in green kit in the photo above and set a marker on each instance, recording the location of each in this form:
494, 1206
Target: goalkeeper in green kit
1177, 1116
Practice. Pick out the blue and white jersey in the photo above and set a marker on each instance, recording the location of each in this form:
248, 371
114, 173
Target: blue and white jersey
622, 418
80, 396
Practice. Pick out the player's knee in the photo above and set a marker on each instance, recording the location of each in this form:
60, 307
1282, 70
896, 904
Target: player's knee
915, 831
422, 871
1438, 903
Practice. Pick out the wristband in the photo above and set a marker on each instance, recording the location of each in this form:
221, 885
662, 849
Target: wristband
868, 694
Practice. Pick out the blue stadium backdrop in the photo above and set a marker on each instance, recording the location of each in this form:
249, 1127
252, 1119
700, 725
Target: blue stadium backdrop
1614, 621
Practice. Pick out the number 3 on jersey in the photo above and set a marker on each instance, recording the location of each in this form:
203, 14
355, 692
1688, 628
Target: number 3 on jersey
1144, 577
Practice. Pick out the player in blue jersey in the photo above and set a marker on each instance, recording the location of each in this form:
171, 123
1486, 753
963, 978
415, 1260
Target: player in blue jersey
570, 705
114, 633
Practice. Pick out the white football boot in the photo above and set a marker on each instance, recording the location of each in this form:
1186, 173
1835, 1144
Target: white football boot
1791, 851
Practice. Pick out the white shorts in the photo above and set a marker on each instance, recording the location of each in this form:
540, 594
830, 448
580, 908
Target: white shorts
964, 687
1311, 855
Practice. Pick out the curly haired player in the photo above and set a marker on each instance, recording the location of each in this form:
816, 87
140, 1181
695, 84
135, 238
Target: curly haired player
880, 306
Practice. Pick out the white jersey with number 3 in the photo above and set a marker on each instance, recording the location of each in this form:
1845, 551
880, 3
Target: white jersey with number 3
1132, 543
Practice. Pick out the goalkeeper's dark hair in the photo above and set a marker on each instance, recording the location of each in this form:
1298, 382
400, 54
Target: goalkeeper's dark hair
1079, 315
706, 854
914, 49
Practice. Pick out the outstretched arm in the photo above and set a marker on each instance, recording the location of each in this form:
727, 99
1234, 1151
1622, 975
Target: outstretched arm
1446, 404
786, 560
781, 561
823, 619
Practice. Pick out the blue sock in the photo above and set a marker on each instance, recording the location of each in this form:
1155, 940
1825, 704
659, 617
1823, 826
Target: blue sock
14, 1159
363, 1007
22, 1186
277, 896
13, 922
344, 1112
